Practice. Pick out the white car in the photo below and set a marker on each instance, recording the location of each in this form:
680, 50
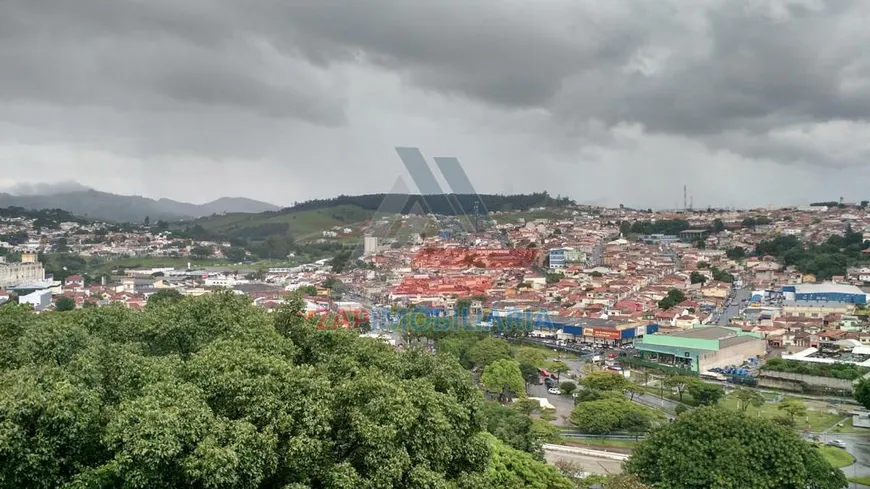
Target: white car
554, 391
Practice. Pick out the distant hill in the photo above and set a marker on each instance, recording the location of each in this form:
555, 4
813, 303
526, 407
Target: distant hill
444, 204
94, 204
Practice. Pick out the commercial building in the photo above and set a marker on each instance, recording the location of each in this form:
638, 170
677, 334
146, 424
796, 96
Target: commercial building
825, 292
659, 238
693, 235
819, 300
702, 348
602, 333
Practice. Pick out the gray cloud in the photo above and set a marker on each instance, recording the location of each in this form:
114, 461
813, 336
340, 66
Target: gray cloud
315, 94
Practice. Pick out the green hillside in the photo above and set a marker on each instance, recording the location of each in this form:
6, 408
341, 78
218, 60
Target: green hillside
302, 225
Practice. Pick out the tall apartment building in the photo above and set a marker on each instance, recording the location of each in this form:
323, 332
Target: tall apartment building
29, 270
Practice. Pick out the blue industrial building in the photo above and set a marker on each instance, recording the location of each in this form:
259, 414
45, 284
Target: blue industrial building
826, 292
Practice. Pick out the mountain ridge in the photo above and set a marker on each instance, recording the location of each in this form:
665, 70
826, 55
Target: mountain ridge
95, 204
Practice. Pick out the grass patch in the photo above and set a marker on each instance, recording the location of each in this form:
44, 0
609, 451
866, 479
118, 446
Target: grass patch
303, 225
814, 421
849, 428
863, 480
627, 444
837, 457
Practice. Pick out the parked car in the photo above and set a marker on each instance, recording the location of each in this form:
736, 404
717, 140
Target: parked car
554, 390
550, 382
833, 443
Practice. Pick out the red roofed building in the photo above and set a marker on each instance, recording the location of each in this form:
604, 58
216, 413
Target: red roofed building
461, 258
416, 286
74, 282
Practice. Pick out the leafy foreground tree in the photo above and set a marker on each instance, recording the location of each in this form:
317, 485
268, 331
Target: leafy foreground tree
716, 448
862, 392
212, 392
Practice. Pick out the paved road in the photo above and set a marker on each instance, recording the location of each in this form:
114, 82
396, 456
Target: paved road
656, 402
594, 465
734, 309
563, 404
858, 444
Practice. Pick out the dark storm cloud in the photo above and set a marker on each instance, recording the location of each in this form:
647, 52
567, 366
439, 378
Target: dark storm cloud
726, 64
275, 86
155, 55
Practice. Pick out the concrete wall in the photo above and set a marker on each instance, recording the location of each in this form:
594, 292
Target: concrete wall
732, 355
799, 382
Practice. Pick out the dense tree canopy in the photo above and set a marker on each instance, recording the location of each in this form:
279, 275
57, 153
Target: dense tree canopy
845, 371
614, 413
212, 392
674, 297
715, 448
862, 392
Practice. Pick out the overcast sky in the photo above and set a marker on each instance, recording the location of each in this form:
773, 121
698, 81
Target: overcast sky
748, 102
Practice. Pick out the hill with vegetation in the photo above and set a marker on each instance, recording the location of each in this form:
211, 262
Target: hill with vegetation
832, 257
274, 234
106, 206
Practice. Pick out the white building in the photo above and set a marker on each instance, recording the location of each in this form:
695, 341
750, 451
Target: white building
12, 274
370, 245
40, 300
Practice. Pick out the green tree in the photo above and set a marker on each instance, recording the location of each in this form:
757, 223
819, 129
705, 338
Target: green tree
512, 427
532, 356
604, 381
309, 290
64, 303
567, 387
729, 450
503, 377
488, 350
793, 408
862, 392
706, 394
164, 296
510, 468
718, 225
339, 261
235, 254
214, 392
558, 367
736, 253
721, 275
613, 414
748, 397
679, 383
201, 252
697, 278
674, 297
530, 373
702, 265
